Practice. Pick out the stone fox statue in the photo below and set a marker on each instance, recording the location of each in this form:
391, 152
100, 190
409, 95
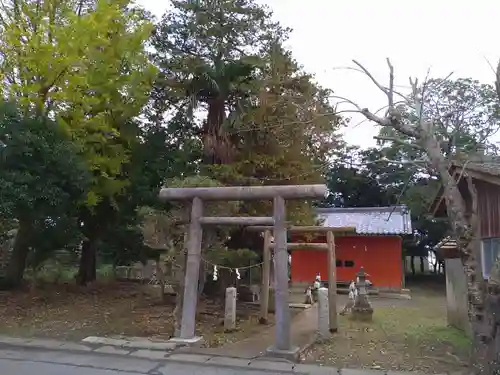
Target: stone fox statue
312, 291
316, 286
353, 292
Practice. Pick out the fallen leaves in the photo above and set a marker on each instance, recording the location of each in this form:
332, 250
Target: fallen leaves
120, 308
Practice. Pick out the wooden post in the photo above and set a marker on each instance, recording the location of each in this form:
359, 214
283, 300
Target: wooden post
188, 323
281, 273
266, 271
332, 282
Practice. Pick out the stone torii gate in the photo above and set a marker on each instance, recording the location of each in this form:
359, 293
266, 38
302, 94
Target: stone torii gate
329, 246
278, 222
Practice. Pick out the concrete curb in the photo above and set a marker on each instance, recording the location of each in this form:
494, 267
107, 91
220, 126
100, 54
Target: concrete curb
263, 364
77, 348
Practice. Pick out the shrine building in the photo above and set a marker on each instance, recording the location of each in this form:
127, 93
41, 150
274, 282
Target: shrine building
376, 246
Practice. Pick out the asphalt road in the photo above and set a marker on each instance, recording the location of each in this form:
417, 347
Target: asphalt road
27, 362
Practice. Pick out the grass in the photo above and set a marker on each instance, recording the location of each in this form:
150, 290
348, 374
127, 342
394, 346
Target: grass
404, 336
421, 326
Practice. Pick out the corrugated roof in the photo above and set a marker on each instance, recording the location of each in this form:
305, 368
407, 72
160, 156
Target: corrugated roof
369, 220
488, 165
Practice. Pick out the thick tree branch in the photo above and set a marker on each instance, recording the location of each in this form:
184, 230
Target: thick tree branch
398, 141
382, 121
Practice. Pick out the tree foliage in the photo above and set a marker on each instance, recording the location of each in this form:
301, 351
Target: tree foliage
88, 69
230, 106
41, 176
465, 115
371, 178
261, 118
85, 65
208, 55
287, 134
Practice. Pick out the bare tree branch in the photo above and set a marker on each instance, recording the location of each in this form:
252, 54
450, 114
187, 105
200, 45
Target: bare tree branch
382, 88
345, 100
393, 117
383, 121
419, 102
420, 163
390, 94
497, 82
397, 140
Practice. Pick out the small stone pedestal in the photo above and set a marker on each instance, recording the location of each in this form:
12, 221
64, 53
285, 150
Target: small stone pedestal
362, 309
291, 354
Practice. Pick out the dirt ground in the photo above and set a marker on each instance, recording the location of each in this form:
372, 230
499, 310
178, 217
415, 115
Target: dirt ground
112, 309
405, 335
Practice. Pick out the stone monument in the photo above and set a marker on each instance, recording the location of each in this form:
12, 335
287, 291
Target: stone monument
230, 310
323, 315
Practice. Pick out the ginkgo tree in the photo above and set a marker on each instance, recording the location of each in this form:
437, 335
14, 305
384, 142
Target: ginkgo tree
84, 64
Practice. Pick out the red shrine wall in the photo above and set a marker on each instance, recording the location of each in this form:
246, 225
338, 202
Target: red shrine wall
381, 257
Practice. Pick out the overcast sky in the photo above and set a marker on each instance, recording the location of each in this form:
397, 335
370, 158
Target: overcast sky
441, 35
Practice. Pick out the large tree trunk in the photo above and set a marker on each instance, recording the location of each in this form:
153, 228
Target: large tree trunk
19, 255
87, 268
492, 339
217, 147
483, 317
422, 265
94, 227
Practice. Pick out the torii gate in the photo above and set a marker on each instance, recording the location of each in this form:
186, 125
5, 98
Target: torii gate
278, 221
329, 246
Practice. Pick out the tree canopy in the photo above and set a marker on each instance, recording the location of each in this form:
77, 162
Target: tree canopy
41, 178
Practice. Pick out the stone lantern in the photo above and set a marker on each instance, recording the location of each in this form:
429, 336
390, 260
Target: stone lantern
362, 309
